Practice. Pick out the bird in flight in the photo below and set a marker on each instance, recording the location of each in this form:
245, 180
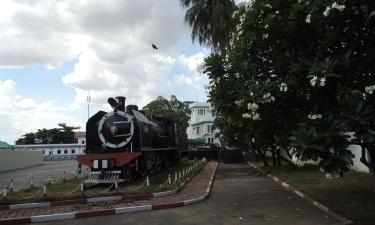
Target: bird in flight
154, 46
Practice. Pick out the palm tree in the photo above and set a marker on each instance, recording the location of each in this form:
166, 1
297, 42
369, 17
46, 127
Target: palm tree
210, 21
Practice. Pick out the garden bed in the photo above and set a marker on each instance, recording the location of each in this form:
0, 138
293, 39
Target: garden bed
352, 196
70, 189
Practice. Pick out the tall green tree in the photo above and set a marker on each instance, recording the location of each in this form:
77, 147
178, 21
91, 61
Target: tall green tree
173, 109
62, 135
299, 75
210, 21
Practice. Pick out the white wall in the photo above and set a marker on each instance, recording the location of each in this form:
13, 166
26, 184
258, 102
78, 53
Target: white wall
11, 160
358, 165
355, 149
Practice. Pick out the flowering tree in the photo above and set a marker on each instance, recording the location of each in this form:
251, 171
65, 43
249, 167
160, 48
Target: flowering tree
299, 76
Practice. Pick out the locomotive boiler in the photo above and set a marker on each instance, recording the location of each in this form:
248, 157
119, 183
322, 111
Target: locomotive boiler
124, 142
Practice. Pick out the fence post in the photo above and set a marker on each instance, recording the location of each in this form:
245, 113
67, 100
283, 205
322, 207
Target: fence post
147, 181
175, 177
81, 188
116, 186
169, 179
76, 175
32, 182
11, 185
44, 191
5, 193
64, 178
50, 179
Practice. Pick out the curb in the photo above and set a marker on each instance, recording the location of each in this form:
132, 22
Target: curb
290, 188
94, 199
114, 211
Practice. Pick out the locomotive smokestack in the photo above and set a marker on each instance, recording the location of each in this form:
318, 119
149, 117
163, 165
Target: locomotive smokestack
117, 103
121, 100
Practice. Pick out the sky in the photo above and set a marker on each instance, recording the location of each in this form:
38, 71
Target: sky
53, 53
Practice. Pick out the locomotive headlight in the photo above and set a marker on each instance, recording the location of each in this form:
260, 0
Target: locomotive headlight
115, 129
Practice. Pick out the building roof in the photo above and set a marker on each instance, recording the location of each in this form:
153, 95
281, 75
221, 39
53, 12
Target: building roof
48, 145
5, 145
80, 134
199, 105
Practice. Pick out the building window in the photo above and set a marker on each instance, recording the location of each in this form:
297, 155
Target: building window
197, 130
58, 151
201, 111
209, 129
50, 153
83, 142
73, 151
65, 151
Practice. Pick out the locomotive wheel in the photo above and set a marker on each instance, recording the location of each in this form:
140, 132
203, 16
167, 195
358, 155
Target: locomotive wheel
127, 174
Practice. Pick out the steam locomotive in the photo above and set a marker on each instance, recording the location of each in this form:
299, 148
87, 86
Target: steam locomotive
124, 142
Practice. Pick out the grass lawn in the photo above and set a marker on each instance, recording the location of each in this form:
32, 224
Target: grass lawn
352, 196
71, 188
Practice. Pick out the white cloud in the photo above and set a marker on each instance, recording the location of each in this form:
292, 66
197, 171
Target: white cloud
20, 115
192, 62
111, 41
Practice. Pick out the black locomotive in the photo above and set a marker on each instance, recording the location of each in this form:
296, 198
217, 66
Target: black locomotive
124, 141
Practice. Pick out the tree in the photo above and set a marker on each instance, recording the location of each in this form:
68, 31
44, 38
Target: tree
172, 109
62, 135
210, 21
298, 76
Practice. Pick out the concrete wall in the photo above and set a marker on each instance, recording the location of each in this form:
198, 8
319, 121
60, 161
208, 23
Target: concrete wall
355, 149
11, 160
358, 165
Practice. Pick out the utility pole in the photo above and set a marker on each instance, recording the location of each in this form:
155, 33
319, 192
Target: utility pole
88, 105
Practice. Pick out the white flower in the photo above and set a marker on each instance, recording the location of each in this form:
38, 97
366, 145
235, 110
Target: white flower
283, 87
272, 99
337, 6
256, 116
273, 75
266, 96
252, 106
313, 81
308, 18
322, 82
251, 93
277, 12
265, 36
314, 116
364, 96
246, 115
265, 27
268, 5
370, 89
237, 75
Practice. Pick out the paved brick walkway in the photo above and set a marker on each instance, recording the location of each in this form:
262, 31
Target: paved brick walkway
196, 187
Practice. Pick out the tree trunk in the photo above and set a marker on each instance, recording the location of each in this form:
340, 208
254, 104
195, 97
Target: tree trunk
273, 156
278, 156
264, 159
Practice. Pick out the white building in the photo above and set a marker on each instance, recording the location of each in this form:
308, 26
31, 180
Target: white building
57, 151
201, 122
